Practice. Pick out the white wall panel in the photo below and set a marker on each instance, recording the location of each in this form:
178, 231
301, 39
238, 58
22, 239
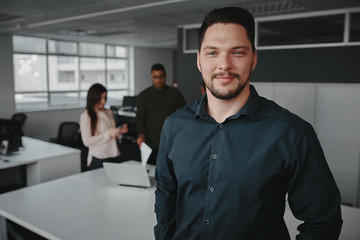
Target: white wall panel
264, 89
7, 99
298, 99
144, 58
338, 124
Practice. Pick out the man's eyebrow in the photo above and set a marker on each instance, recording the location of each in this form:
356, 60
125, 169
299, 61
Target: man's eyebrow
233, 48
241, 47
209, 47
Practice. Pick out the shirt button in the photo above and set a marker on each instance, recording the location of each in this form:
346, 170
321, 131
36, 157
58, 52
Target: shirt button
207, 221
214, 156
221, 126
212, 189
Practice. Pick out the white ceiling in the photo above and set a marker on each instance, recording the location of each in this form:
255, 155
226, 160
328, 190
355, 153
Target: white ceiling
150, 23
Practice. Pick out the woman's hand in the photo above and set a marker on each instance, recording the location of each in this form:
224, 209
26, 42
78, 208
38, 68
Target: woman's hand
123, 129
114, 132
119, 131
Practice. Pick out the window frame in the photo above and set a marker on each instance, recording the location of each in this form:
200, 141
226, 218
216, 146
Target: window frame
80, 102
346, 39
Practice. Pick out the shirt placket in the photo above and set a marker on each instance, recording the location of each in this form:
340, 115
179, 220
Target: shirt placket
215, 155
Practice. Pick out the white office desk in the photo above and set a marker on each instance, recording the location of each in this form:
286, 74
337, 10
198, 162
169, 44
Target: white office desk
44, 160
84, 206
126, 113
87, 206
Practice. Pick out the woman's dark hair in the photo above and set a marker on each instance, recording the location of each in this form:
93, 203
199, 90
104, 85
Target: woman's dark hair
94, 97
236, 15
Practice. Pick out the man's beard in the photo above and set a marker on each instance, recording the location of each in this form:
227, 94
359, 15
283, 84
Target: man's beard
230, 94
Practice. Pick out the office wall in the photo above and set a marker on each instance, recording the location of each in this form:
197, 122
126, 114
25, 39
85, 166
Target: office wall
44, 124
7, 101
187, 73
144, 59
323, 65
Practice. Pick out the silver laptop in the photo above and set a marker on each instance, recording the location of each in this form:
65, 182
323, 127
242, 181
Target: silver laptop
129, 173
132, 173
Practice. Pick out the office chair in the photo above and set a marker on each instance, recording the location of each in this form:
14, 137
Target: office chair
20, 118
68, 134
130, 102
84, 152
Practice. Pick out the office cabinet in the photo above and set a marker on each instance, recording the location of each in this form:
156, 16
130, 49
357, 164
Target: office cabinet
264, 89
334, 112
297, 98
338, 125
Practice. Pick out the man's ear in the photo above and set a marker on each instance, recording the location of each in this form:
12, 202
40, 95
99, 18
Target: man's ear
198, 61
254, 61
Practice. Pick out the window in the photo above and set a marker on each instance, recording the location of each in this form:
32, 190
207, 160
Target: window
117, 51
57, 74
116, 73
310, 30
300, 30
92, 49
92, 70
63, 73
355, 27
62, 47
29, 44
30, 72
190, 38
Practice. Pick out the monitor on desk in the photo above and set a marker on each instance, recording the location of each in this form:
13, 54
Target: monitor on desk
130, 102
10, 136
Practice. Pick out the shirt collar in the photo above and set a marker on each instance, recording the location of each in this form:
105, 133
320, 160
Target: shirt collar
201, 110
249, 109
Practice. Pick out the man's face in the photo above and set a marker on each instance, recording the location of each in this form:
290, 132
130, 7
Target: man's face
158, 78
226, 60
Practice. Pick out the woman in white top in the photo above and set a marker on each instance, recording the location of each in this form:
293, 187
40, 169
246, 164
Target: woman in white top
98, 130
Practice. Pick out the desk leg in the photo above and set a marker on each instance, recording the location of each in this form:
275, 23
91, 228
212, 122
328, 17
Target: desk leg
33, 174
3, 231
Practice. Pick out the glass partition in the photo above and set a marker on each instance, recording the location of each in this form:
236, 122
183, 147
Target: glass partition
310, 30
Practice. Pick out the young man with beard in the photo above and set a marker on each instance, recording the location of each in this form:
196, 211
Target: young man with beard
227, 161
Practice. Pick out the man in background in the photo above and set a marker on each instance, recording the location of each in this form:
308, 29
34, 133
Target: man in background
155, 103
227, 161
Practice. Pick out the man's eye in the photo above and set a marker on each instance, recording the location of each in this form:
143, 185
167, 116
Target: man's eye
211, 53
239, 53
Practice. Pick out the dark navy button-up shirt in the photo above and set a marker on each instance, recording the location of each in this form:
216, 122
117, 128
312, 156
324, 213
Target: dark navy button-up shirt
229, 180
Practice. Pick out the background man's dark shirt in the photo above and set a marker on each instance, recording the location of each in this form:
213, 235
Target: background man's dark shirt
153, 106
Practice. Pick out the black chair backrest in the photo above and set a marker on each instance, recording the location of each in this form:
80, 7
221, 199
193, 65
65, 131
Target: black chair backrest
84, 152
130, 101
67, 133
114, 109
19, 117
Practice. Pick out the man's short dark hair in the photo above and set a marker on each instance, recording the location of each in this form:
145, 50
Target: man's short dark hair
236, 15
158, 66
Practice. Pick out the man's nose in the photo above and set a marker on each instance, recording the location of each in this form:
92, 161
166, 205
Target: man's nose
225, 62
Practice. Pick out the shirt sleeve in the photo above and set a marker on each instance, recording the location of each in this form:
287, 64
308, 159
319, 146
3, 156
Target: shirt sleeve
87, 138
140, 115
313, 194
165, 194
